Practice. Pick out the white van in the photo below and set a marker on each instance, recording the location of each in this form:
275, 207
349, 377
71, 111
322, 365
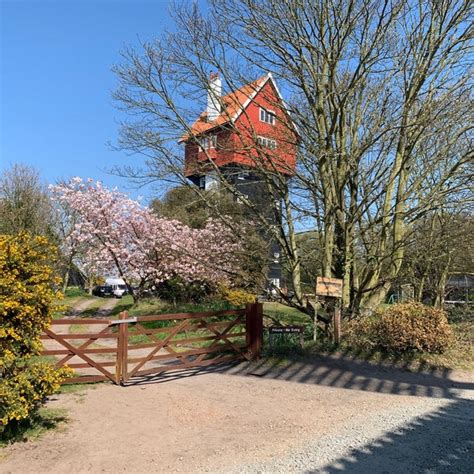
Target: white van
119, 288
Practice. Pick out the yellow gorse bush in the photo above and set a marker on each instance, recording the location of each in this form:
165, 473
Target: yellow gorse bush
236, 297
27, 296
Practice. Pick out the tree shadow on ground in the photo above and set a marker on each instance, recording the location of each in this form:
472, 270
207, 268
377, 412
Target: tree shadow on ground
438, 442
348, 372
340, 371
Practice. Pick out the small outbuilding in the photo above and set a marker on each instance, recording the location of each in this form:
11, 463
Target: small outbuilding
460, 288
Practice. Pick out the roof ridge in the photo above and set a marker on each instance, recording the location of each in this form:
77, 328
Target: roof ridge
230, 100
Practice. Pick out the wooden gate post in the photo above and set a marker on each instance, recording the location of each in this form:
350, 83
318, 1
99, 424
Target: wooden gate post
122, 350
254, 328
337, 325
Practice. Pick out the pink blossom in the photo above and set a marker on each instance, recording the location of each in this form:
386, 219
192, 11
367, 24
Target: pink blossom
120, 236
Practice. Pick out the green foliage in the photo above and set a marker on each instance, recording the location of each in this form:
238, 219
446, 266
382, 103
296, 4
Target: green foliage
282, 314
27, 293
176, 290
283, 345
457, 314
194, 207
75, 291
310, 249
24, 202
401, 328
31, 428
214, 304
23, 391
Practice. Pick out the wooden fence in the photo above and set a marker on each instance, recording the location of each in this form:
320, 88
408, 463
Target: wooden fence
118, 350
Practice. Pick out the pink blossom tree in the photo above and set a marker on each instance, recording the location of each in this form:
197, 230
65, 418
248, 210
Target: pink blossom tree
119, 236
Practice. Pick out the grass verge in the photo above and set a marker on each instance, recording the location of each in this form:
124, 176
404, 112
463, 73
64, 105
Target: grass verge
68, 303
93, 307
459, 356
281, 314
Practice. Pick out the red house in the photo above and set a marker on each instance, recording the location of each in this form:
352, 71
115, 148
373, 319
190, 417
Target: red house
242, 134
245, 130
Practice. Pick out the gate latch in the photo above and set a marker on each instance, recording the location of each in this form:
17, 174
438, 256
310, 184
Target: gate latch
122, 321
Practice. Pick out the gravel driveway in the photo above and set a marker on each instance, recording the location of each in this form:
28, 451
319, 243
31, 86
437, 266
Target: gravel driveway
322, 415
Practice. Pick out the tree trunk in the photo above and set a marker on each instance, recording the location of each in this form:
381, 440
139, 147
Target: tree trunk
421, 289
441, 286
66, 280
67, 274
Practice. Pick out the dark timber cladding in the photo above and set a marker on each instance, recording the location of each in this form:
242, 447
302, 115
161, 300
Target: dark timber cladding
150, 345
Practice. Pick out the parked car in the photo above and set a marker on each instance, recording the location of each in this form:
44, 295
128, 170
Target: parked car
103, 290
119, 288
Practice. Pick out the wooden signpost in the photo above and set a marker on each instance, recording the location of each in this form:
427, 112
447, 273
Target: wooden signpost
332, 288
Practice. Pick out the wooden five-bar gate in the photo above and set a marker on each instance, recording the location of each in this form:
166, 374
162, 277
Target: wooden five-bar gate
121, 349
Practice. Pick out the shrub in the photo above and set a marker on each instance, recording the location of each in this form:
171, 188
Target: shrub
176, 290
236, 297
284, 345
410, 327
360, 334
27, 295
459, 314
23, 391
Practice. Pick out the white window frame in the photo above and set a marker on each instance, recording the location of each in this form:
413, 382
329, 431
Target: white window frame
267, 116
275, 284
211, 181
265, 142
212, 141
208, 142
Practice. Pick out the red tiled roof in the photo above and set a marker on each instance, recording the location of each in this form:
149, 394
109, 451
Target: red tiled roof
233, 103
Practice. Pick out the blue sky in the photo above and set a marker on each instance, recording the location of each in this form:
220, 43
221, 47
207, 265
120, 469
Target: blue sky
56, 111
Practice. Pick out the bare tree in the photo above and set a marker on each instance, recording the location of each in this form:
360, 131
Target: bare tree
372, 88
65, 220
439, 244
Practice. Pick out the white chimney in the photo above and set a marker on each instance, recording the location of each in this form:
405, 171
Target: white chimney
213, 95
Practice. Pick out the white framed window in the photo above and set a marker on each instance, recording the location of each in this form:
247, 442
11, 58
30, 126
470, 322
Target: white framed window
265, 142
208, 182
211, 182
212, 140
208, 142
267, 116
274, 285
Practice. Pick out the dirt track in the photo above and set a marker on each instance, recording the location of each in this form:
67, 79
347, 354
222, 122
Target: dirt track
300, 417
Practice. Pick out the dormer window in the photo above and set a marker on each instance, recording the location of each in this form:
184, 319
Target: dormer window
267, 116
